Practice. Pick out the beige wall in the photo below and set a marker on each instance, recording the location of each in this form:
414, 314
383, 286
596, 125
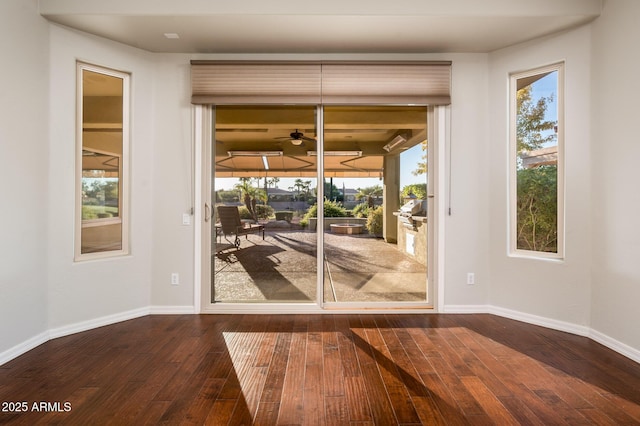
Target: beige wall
614, 264
559, 291
81, 292
595, 286
23, 149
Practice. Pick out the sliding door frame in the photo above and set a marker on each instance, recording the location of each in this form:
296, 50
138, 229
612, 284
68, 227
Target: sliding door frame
204, 134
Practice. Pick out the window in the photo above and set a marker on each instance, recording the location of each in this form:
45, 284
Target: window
537, 162
101, 213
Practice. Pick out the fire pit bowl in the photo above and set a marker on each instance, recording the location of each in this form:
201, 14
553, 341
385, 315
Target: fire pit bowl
346, 228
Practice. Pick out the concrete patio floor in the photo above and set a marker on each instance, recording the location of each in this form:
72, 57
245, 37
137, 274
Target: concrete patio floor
282, 268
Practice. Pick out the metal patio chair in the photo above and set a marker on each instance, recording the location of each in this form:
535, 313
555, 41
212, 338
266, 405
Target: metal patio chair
229, 217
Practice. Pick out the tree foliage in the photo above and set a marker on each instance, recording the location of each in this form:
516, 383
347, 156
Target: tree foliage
538, 209
100, 198
531, 125
100, 192
375, 220
361, 210
332, 192
250, 196
417, 189
537, 200
369, 193
421, 166
224, 196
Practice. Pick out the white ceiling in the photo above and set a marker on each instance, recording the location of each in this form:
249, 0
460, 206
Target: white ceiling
327, 26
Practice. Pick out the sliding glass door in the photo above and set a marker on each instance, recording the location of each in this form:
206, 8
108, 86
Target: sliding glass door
374, 163
264, 178
306, 205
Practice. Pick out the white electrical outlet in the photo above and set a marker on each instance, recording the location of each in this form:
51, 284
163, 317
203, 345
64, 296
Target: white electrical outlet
175, 278
471, 278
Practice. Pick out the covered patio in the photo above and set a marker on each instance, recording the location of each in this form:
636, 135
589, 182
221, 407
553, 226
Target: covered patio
282, 267
362, 147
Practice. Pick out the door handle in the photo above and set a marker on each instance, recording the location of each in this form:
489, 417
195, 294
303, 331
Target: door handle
207, 212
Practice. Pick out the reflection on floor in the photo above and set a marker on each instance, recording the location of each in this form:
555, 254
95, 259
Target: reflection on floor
282, 268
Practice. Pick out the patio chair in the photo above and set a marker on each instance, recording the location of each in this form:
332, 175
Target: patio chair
231, 224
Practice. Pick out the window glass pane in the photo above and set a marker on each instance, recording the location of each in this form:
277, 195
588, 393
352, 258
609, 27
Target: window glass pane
100, 185
536, 162
264, 183
375, 238
102, 148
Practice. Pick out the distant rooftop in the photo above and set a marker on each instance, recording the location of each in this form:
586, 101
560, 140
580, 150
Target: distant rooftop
540, 157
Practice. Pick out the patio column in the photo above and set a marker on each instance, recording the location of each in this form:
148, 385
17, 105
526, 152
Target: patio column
391, 197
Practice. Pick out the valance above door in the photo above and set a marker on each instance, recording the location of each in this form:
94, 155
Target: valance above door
251, 82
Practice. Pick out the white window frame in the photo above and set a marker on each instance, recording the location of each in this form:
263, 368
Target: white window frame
123, 207
513, 187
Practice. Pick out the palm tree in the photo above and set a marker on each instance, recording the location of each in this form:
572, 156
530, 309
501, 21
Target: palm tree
273, 182
246, 190
369, 193
298, 185
250, 195
306, 189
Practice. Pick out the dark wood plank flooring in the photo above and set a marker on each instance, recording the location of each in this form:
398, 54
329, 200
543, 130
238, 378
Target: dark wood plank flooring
321, 370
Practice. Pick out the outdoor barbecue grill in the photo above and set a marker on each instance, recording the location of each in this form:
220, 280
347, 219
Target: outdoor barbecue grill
412, 208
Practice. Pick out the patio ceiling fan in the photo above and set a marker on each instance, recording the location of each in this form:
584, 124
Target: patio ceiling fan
297, 138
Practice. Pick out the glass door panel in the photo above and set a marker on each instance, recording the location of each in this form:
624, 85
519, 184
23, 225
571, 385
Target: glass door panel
375, 250
263, 187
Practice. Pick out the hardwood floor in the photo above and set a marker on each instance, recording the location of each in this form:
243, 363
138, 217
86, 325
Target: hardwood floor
321, 370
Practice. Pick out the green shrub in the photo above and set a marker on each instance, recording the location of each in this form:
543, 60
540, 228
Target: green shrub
244, 212
284, 215
264, 211
331, 209
361, 210
374, 221
88, 213
98, 212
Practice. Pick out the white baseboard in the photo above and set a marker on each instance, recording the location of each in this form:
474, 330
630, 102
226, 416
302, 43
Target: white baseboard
67, 330
23, 347
619, 347
518, 316
465, 309
172, 310
615, 345
97, 322
579, 330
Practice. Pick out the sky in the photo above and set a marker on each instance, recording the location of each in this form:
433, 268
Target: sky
545, 87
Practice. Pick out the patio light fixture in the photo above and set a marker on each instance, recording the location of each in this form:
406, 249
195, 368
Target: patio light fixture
394, 143
337, 153
254, 153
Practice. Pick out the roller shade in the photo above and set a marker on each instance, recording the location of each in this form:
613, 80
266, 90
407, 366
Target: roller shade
420, 83
255, 83
220, 82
